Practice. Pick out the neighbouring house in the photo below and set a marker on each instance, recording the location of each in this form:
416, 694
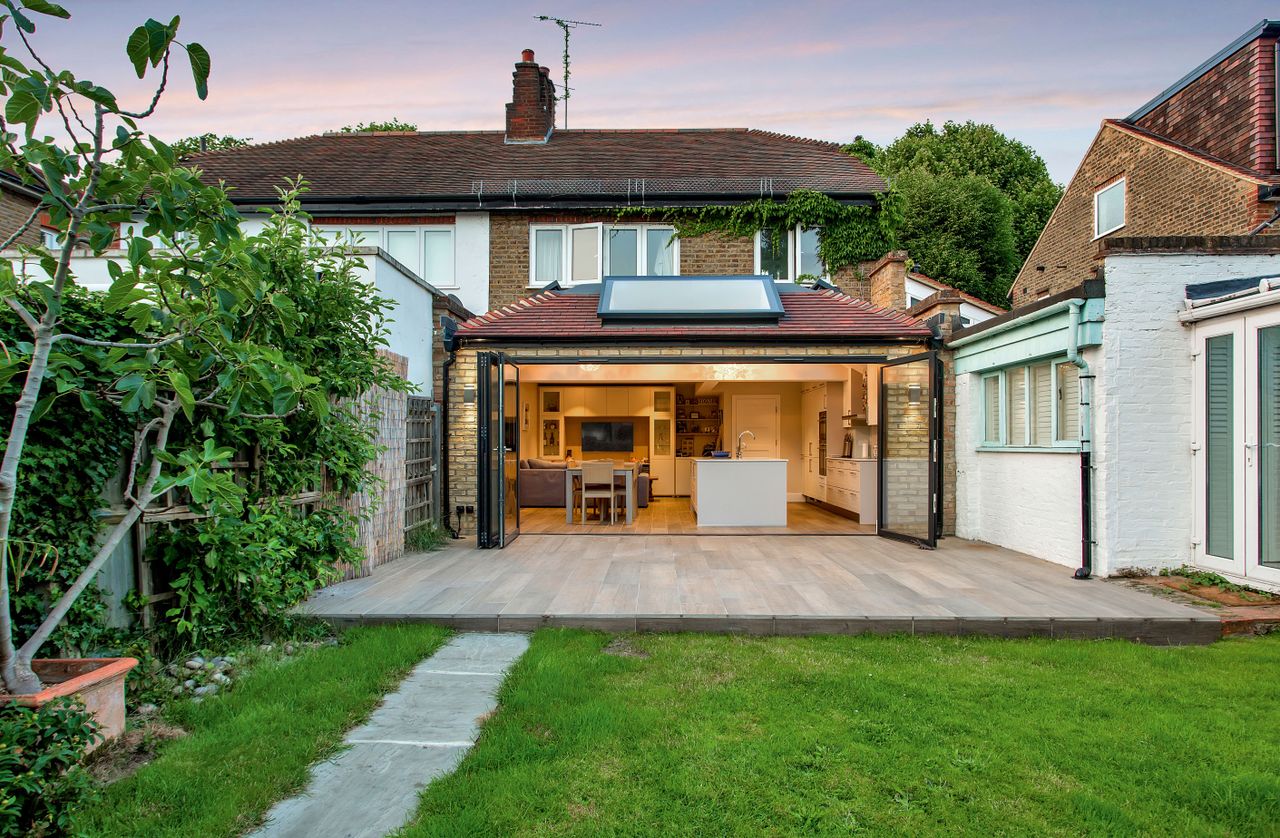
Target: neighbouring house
1199, 159
1120, 415
18, 201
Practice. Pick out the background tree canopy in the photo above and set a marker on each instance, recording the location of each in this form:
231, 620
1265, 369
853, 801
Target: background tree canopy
974, 200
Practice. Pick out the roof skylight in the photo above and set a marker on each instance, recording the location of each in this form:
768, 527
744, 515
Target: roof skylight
689, 298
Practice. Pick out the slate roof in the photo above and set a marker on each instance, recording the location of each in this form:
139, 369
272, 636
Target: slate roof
479, 167
810, 315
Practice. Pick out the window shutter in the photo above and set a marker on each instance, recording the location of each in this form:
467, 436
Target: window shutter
1017, 385
991, 409
1068, 402
1041, 405
1220, 446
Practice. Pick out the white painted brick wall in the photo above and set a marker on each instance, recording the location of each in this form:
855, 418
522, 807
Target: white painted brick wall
1023, 501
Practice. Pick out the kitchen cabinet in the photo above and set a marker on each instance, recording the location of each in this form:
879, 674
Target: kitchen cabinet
616, 401
594, 401
639, 401
573, 401
684, 476
853, 485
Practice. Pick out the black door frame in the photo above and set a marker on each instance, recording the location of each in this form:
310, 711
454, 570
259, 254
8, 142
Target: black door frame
935, 451
488, 366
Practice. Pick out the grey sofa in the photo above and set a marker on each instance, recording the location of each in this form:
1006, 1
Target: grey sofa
541, 483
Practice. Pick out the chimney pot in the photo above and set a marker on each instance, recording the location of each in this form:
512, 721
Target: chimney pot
527, 56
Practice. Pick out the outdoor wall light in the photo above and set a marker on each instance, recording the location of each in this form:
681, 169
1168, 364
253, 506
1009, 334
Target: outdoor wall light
468, 395
913, 393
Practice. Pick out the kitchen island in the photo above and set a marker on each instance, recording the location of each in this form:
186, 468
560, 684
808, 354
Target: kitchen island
739, 493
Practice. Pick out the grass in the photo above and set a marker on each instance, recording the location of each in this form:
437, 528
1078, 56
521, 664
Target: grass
253, 746
865, 735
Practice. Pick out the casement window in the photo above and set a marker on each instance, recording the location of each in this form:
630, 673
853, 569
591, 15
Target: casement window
427, 250
1108, 208
789, 254
569, 253
1031, 406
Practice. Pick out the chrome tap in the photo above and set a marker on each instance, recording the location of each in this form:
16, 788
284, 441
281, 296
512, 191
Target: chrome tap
738, 453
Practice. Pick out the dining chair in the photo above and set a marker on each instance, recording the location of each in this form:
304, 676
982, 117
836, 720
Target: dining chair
597, 485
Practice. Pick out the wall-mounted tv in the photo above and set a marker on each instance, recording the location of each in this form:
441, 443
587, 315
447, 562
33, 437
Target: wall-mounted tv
607, 436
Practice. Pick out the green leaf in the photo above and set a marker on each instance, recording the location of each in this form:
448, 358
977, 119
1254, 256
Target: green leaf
23, 108
24, 22
182, 387
121, 293
44, 7
199, 58
138, 49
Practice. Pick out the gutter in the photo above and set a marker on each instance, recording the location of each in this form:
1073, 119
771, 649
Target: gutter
1086, 442
965, 340
1268, 291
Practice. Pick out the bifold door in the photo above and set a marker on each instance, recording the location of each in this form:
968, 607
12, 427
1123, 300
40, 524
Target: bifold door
910, 448
498, 454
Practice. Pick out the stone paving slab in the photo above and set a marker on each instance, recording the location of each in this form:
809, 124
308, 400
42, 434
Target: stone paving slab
419, 732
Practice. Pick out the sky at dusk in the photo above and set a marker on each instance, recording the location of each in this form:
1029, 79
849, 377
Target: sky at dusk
1046, 73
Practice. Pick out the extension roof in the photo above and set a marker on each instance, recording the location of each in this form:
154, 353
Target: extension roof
810, 315
968, 298
579, 168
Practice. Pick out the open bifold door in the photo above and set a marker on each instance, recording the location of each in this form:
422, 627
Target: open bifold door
498, 411
910, 449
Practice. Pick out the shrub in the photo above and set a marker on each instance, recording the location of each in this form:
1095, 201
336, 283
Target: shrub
42, 781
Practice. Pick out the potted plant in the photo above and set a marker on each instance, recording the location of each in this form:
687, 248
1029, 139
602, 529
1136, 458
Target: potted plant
183, 286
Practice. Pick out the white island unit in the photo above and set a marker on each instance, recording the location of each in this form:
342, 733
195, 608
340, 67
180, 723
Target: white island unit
739, 493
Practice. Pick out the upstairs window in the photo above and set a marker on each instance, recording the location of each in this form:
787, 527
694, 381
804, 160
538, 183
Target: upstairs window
426, 250
1108, 209
570, 253
787, 255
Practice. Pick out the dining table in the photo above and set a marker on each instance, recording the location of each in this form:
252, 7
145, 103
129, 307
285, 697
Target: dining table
627, 471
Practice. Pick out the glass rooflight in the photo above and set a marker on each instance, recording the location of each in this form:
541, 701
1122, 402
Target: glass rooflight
689, 297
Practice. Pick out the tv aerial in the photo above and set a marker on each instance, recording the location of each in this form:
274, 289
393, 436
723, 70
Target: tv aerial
567, 26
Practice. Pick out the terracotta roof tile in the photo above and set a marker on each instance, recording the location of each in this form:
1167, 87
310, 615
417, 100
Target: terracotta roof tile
430, 165
808, 315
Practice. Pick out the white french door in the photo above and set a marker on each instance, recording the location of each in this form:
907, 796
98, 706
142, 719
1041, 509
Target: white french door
1238, 453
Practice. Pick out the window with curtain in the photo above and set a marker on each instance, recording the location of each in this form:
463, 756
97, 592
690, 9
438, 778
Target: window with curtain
1016, 424
1220, 434
1040, 405
660, 251
584, 254
548, 256
403, 247
1068, 407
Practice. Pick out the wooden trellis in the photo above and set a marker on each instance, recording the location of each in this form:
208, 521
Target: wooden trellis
421, 486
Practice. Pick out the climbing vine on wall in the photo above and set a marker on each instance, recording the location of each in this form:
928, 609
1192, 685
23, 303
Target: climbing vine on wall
849, 234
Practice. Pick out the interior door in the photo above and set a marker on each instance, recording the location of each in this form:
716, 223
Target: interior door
910, 449
498, 454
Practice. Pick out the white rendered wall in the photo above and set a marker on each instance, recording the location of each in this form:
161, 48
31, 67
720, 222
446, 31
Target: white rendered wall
471, 260
1145, 504
411, 319
1028, 502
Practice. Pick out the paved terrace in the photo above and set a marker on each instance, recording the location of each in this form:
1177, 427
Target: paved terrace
756, 585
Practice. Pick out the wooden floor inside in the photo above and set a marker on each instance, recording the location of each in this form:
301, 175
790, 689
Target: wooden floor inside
754, 584
674, 516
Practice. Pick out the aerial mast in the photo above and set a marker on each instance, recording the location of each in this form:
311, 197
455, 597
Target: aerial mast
566, 26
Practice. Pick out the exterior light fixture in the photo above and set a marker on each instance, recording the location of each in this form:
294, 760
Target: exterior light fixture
913, 393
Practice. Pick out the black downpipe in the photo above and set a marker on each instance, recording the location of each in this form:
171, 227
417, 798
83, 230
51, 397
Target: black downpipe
444, 445
1086, 516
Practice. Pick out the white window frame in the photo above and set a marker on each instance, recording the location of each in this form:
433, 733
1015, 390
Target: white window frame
1024, 444
793, 254
642, 246
375, 235
1122, 185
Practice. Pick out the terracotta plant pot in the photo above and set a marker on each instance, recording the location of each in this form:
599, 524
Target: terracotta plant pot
98, 682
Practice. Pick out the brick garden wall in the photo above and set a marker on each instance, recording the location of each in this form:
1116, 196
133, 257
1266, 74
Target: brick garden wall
381, 536
461, 434
1168, 194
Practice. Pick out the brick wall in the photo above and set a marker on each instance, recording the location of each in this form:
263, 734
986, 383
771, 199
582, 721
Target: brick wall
1167, 194
714, 254
1228, 112
15, 209
461, 434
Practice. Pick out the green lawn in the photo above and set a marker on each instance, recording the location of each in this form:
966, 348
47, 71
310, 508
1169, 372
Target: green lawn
252, 747
865, 735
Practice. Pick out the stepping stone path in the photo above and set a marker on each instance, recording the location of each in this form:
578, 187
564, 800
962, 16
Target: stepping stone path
420, 732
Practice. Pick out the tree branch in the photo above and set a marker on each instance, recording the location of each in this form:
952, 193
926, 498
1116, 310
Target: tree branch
155, 100
27, 317
26, 225
115, 344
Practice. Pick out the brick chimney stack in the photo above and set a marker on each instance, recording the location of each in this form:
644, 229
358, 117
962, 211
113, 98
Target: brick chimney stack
531, 113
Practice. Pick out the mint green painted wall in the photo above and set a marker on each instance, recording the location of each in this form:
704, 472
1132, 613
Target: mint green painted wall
1039, 336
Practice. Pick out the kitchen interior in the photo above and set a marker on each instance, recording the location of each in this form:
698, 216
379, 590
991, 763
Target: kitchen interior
791, 446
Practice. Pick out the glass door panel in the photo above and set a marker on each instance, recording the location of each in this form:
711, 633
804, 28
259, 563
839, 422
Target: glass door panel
1220, 446
497, 405
510, 452
909, 445
1269, 447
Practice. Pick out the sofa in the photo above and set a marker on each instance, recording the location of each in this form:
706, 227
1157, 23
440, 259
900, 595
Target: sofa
540, 482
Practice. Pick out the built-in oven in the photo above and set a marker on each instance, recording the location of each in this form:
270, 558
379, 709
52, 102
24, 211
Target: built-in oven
822, 443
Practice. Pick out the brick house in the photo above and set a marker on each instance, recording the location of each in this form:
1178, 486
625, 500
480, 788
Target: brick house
531, 221
1104, 423
1198, 159
17, 202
